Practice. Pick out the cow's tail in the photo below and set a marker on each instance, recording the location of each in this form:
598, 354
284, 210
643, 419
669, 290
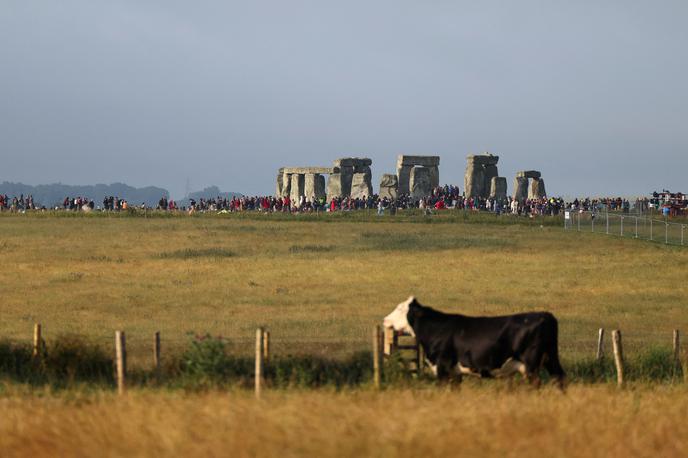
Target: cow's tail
551, 357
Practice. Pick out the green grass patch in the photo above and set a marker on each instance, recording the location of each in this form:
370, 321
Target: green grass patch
424, 241
295, 249
194, 253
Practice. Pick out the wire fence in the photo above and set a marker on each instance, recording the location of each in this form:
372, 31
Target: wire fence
630, 226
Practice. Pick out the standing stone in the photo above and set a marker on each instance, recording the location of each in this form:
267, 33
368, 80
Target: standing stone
498, 188
537, 189
286, 185
280, 183
347, 179
361, 187
520, 188
297, 188
434, 176
490, 172
404, 165
389, 186
404, 178
420, 182
319, 186
474, 180
309, 186
334, 186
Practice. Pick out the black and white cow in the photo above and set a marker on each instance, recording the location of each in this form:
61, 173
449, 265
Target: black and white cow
496, 346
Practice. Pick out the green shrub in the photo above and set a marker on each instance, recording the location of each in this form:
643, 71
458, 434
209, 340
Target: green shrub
193, 253
206, 363
69, 359
72, 358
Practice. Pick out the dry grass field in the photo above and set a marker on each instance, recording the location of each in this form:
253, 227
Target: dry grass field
320, 284
475, 421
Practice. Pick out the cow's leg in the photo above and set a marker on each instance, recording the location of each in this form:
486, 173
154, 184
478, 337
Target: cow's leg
533, 360
555, 370
446, 372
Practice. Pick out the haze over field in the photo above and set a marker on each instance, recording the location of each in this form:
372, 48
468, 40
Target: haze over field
153, 93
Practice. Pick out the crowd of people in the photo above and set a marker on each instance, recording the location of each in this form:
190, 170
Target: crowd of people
17, 203
442, 198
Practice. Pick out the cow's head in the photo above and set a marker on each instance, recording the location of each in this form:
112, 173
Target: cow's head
398, 319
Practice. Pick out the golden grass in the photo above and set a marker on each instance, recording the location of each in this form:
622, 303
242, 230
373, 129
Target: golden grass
320, 286
473, 421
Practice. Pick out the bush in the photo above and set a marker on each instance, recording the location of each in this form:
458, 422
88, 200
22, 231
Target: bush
206, 362
655, 364
313, 372
15, 362
70, 359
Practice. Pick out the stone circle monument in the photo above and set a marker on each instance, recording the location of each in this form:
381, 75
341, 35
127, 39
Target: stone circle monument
482, 177
536, 190
406, 166
350, 176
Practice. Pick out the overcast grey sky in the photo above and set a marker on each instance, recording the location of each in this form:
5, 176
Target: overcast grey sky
592, 93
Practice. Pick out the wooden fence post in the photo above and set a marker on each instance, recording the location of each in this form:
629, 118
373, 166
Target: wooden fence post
677, 347
376, 357
259, 362
390, 341
266, 347
121, 358
156, 352
421, 359
37, 340
618, 356
600, 348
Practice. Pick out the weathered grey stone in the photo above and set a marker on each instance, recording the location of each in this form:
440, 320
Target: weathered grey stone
482, 159
353, 162
537, 189
334, 186
389, 186
280, 183
498, 188
490, 172
520, 188
314, 186
529, 174
420, 182
320, 190
423, 161
286, 184
305, 170
406, 162
346, 180
434, 176
297, 188
404, 178
474, 180
365, 170
361, 187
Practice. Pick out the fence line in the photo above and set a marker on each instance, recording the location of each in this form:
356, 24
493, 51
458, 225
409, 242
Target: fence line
627, 226
385, 344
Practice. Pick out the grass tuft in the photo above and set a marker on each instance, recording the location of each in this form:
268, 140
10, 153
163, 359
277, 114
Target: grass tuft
194, 253
310, 248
